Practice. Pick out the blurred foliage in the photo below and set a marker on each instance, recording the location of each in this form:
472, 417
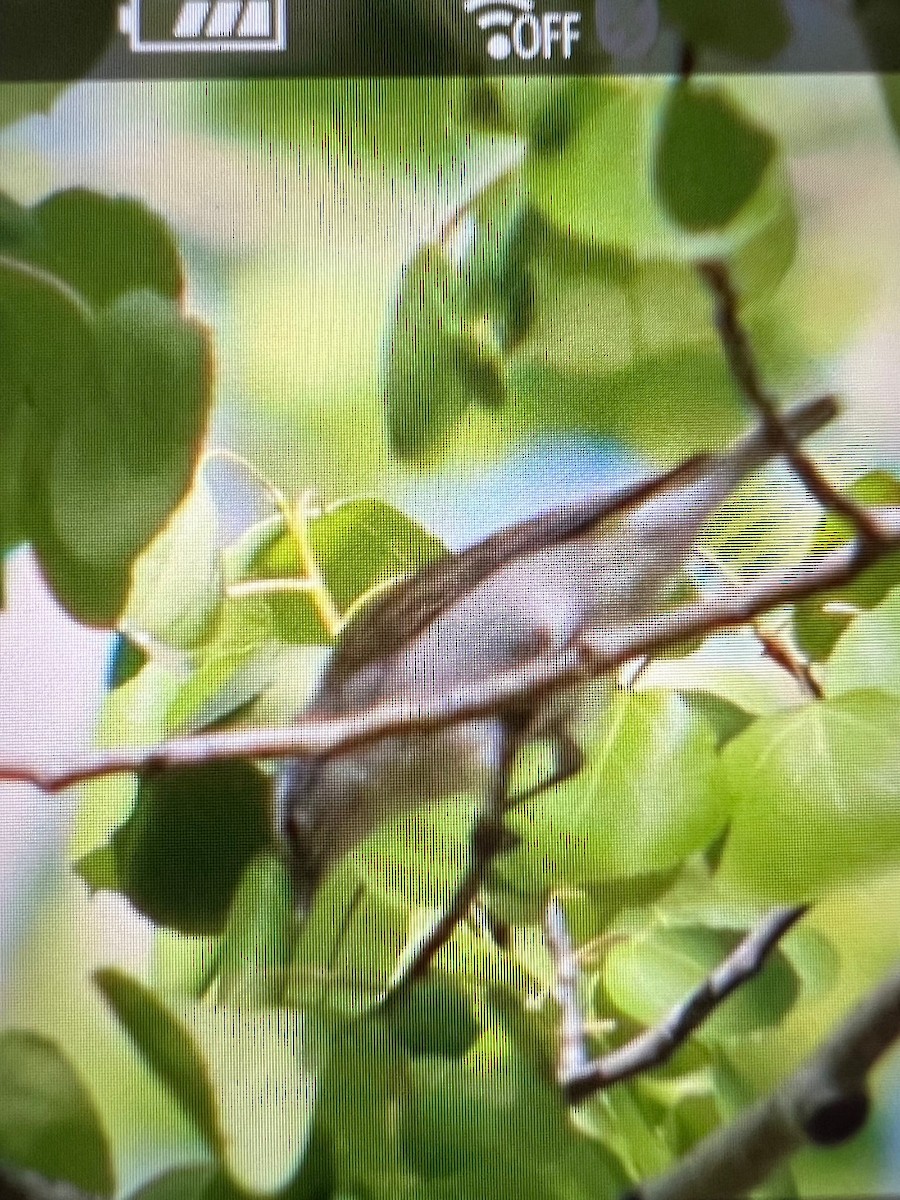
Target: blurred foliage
559, 294
106, 391
48, 1121
51, 40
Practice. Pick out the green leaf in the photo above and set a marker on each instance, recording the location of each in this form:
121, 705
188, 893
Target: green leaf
645, 800
348, 946
105, 392
183, 850
647, 976
459, 1114
166, 1045
815, 797
694, 401
48, 1120
755, 30
890, 88
358, 545
133, 442
436, 362
262, 1066
247, 1078
435, 1018
355, 1093
315, 1180
867, 654
255, 950
417, 858
362, 121
820, 621
188, 1183
187, 550
710, 159
18, 100
361, 544
595, 185
137, 250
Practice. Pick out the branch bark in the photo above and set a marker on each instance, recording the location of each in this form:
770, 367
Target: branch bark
745, 370
596, 653
578, 1075
824, 1103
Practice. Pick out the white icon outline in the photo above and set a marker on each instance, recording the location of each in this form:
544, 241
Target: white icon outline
500, 15
211, 27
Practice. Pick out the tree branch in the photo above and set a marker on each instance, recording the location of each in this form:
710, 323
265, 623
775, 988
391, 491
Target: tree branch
824, 1103
597, 652
742, 361
581, 1077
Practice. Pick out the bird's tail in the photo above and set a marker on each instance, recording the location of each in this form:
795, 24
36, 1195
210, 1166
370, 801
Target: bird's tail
667, 524
767, 441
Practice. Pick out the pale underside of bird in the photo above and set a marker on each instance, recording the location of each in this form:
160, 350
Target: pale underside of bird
533, 588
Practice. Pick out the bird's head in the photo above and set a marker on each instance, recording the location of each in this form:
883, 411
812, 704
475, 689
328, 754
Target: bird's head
318, 803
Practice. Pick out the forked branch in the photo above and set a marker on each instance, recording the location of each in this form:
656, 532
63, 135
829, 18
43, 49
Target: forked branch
578, 1075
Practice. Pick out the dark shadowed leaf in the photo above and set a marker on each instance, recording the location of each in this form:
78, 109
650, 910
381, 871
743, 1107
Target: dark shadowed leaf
181, 854
435, 1018
710, 160
436, 362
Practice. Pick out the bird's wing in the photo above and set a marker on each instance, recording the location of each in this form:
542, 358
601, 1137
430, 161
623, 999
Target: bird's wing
394, 617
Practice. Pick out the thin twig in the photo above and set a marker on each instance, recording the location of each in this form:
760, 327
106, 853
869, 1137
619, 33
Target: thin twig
785, 656
744, 368
824, 1103
789, 660
595, 654
578, 1075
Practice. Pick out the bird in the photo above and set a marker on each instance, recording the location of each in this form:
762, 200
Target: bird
525, 591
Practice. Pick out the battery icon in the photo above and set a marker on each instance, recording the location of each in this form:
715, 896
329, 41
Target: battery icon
213, 26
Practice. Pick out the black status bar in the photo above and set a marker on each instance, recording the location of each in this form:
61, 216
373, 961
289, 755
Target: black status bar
201, 39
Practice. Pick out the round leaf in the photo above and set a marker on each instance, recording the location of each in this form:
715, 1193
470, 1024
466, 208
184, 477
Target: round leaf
136, 250
815, 797
434, 1018
710, 159
645, 800
867, 654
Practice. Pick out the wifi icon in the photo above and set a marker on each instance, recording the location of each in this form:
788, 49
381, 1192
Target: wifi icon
499, 17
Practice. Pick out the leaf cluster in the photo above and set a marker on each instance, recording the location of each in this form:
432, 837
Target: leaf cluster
562, 296
105, 390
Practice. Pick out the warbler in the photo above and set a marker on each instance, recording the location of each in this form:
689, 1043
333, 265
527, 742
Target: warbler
525, 591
